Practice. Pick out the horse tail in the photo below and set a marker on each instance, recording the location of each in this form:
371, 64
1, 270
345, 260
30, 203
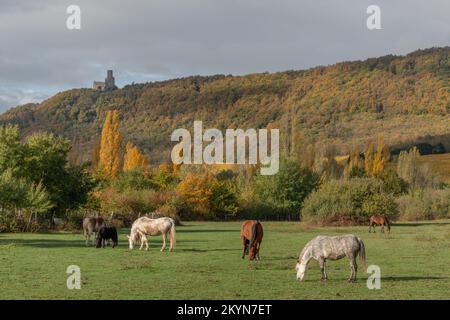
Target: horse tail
362, 254
254, 231
173, 239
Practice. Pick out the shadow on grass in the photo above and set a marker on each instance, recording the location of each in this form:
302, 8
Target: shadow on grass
418, 224
412, 278
205, 230
208, 250
45, 243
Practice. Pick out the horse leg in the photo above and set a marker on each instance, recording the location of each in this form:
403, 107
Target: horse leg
141, 236
258, 245
164, 242
323, 275
382, 228
353, 268
244, 247
146, 243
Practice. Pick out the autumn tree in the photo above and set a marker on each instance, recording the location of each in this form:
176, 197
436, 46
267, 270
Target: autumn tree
375, 163
134, 159
195, 192
381, 157
368, 158
355, 166
109, 153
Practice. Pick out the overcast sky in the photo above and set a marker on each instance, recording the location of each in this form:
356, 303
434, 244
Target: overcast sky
147, 40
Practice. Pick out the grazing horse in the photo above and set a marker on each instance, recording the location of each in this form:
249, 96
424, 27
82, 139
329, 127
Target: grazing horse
145, 226
91, 225
378, 220
322, 248
106, 233
251, 234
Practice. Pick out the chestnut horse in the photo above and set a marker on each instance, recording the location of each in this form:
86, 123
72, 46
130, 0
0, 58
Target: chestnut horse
379, 221
251, 234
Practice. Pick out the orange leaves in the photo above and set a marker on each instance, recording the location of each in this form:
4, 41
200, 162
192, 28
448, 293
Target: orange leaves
196, 191
109, 151
375, 163
107, 155
134, 159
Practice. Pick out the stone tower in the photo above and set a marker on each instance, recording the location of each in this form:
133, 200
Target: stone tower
108, 85
109, 81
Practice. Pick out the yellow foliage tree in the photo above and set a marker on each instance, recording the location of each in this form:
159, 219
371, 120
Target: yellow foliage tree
381, 157
134, 159
196, 191
368, 158
375, 162
109, 152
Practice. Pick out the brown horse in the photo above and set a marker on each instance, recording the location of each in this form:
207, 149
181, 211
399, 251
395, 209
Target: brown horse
379, 221
251, 234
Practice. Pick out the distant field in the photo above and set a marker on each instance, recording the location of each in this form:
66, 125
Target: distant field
414, 262
439, 164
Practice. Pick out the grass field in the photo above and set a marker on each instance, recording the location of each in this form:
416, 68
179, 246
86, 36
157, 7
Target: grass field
206, 264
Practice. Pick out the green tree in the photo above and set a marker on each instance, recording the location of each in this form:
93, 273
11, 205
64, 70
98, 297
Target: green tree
286, 190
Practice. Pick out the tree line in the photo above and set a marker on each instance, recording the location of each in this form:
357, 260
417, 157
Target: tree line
315, 183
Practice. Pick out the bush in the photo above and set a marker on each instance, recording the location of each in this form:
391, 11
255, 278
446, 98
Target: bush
129, 205
203, 196
425, 204
393, 184
284, 192
343, 202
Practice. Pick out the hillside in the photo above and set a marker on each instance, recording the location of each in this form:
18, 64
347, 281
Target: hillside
404, 98
439, 164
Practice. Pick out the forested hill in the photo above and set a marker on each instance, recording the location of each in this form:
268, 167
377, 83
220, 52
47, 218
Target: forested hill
404, 98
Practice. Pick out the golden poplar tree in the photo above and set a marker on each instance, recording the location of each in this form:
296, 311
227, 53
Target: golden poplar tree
134, 159
109, 151
381, 157
376, 160
368, 158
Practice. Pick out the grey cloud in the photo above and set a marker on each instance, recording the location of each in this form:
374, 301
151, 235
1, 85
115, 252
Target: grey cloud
151, 40
13, 96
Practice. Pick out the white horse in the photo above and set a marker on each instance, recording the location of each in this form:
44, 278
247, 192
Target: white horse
145, 226
322, 248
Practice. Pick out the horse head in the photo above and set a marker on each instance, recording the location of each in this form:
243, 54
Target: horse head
132, 238
301, 270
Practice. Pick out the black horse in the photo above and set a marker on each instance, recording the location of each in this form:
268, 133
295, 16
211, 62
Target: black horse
106, 233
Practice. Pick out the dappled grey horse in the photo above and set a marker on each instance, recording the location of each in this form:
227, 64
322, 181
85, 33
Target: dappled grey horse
322, 248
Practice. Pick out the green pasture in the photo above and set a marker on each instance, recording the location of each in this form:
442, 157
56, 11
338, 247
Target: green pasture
414, 261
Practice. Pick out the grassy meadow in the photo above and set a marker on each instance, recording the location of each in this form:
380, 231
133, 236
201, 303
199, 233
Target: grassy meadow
414, 261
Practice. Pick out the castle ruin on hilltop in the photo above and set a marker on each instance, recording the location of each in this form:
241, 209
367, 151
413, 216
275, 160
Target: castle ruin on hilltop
108, 85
